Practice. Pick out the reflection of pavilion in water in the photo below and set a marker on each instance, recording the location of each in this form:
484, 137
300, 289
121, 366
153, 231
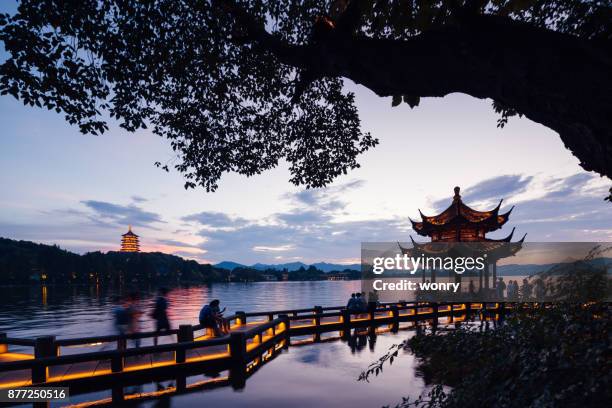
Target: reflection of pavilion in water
461, 231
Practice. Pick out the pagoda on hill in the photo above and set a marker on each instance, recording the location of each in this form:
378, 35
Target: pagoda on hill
462, 228
129, 241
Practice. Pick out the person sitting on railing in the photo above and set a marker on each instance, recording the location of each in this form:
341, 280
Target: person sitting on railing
160, 313
212, 317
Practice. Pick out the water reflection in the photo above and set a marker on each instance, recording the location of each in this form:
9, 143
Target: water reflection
316, 370
80, 311
302, 375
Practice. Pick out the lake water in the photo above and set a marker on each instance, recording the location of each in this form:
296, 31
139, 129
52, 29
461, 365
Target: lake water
323, 374
87, 311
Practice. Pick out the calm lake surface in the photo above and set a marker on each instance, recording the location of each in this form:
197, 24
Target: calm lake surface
323, 374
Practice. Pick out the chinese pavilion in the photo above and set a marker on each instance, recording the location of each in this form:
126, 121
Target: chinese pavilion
461, 224
129, 241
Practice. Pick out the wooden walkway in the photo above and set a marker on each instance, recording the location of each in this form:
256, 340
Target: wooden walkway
254, 338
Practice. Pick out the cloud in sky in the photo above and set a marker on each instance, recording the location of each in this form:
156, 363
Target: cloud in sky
492, 189
312, 226
138, 199
122, 214
309, 229
569, 208
215, 219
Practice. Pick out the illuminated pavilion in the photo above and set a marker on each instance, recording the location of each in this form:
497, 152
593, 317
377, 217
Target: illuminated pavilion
460, 224
129, 241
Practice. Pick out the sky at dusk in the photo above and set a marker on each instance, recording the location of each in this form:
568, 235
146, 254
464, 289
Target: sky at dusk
82, 191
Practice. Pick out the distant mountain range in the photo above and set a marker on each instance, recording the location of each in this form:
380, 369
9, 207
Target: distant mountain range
291, 266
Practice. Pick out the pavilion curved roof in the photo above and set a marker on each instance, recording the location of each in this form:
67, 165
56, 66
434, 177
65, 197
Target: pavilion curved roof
460, 214
494, 248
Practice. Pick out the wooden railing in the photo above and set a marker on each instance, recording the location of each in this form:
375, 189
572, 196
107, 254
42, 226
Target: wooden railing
241, 346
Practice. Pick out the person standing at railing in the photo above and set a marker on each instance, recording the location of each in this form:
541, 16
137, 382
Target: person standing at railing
352, 303
134, 313
501, 286
160, 313
362, 305
121, 317
526, 290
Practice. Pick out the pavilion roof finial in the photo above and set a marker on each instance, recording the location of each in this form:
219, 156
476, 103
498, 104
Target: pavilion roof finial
457, 195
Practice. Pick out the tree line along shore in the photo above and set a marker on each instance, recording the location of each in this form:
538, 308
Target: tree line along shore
26, 263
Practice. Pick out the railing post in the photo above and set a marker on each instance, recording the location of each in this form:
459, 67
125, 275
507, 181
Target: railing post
371, 310
241, 317
318, 310
121, 343
117, 363
468, 309
394, 312
185, 334
43, 347
237, 347
346, 322
3, 346
117, 394
287, 324
434, 306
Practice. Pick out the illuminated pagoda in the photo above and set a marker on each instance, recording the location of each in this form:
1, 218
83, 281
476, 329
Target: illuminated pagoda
460, 224
129, 241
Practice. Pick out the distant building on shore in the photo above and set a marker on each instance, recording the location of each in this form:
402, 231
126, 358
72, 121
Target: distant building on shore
338, 276
130, 242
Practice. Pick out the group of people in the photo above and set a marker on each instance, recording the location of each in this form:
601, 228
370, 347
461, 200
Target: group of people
526, 291
514, 291
211, 316
127, 315
357, 302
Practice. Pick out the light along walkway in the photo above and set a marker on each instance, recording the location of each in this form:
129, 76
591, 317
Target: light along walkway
250, 342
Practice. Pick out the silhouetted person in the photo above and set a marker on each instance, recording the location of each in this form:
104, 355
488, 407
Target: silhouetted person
373, 296
360, 303
501, 286
540, 290
513, 290
472, 289
211, 316
134, 313
351, 305
526, 290
121, 317
160, 313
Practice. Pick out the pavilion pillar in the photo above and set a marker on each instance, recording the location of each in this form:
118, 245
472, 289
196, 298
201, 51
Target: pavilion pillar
494, 274
486, 275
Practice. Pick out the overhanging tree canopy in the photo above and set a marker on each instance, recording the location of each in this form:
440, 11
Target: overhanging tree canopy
239, 85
